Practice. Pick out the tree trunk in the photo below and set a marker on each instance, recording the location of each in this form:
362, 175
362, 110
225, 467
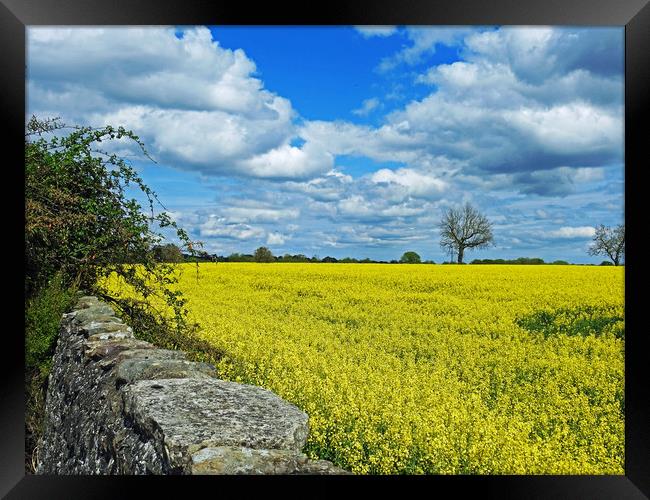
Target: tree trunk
460, 254
616, 261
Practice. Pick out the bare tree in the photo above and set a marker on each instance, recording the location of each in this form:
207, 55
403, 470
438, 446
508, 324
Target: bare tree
462, 228
609, 241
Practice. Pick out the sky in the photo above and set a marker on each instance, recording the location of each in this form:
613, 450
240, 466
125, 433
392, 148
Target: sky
353, 141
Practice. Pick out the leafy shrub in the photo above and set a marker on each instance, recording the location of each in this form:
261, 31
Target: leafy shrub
410, 258
168, 253
42, 317
263, 254
79, 222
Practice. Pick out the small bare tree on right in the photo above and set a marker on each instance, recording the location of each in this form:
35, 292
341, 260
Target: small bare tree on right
610, 242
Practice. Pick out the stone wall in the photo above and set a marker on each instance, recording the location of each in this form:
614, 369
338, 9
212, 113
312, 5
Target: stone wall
118, 405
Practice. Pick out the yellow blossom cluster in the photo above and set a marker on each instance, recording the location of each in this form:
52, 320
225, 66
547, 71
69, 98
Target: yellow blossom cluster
430, 369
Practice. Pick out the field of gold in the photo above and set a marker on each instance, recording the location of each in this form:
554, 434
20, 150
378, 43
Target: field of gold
430, 368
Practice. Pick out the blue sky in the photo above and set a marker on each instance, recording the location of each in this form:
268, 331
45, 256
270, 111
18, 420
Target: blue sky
352, 141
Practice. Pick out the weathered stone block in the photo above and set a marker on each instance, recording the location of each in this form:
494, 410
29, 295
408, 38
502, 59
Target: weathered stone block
195, 413
241, 460
319, 467
109, 349
116, 335
93, 327
130, 370
99, 313
87, 301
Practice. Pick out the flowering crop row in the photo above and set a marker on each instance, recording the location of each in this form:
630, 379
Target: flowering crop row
430, 369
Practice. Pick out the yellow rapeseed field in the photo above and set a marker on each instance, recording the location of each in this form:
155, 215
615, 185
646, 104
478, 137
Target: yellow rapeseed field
429, 368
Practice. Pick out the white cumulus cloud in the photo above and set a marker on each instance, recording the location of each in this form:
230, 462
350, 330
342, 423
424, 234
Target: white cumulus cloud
367, 106
195, 104
275, 239
573, 232
290, 162
376, 31
415, 182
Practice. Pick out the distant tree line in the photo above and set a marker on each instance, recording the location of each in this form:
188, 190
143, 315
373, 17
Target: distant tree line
263, 254
171, 253
520, 260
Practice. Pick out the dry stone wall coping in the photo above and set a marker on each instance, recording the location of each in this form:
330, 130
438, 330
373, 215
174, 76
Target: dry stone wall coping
119, 405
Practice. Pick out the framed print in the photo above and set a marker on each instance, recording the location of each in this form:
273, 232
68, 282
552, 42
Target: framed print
392, 239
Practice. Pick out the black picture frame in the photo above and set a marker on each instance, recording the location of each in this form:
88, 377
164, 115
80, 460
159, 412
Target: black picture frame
15, 15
